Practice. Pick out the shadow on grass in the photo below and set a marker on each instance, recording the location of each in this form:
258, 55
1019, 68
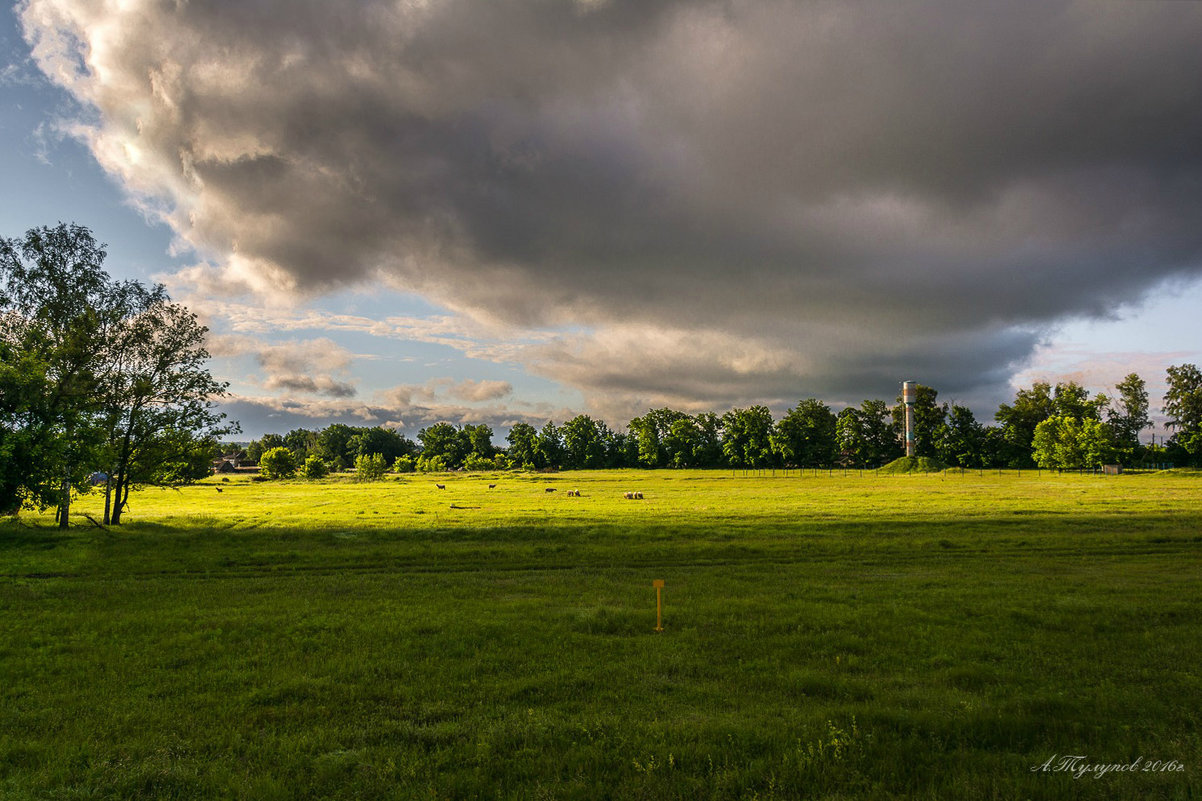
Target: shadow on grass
142, 549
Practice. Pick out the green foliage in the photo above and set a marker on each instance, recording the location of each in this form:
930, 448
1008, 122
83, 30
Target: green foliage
548, 446
370, 467
302, 442
268, 442
1031, 407
478, 464
748, 437
98, 375
56, 305
446, 442
334, 445
382, 440
583, 445
479, 438
684, 442
1072, 400
404, 464
277, 463
656, 446
806, 436
430, 464
960, 439
1183, 406
521, 439
1070, 443
866, 436
315, 467
1128, 415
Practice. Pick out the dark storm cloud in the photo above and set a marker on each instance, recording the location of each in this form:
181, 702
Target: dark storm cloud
858, 192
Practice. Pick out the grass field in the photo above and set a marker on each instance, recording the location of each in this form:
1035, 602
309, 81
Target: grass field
826, 636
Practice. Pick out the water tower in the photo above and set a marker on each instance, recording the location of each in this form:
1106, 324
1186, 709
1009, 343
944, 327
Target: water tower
909, 397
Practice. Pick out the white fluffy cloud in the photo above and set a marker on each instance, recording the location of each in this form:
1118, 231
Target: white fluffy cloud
308, 367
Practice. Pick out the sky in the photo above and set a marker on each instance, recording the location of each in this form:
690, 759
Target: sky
405, 211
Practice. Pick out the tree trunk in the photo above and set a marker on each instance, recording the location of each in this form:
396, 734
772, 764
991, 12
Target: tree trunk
122, 493
122, 488
64, 506
108, 496
120, 501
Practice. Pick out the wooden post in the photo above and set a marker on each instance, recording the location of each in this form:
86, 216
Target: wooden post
659, 603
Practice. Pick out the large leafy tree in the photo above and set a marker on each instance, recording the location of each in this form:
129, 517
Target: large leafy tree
522, 451
1018, 421
583, 445
748, 437
267, 442
849, 437
960, 440
708, 451
333, 445
1128, 414
479, 438
56, 311
621, 449
391, 444
104, 374
446, 441
683, 442
160, 398
1066, 442
302, 442
548, 445
1183, 405
805, 436
652, 433
1072, 400
882, 439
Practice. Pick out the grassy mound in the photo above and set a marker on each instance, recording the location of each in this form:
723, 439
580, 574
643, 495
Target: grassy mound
914, 464
1181, 472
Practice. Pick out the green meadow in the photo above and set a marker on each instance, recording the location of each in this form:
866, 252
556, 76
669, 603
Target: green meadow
826, 635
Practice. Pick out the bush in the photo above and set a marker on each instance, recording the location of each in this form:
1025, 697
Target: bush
315, 467
370, 467
277, 463
477, 463
403, 464
431, 464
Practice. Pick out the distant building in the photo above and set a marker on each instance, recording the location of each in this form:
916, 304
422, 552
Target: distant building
230, 462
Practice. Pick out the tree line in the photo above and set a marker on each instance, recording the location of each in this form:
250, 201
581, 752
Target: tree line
106, 381
100, 380
1043, 426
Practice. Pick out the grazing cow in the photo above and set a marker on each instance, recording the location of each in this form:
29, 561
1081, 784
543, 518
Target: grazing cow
628, 496
638, 496
218, 489
550, 489
441, 486
573, 493
492, 486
